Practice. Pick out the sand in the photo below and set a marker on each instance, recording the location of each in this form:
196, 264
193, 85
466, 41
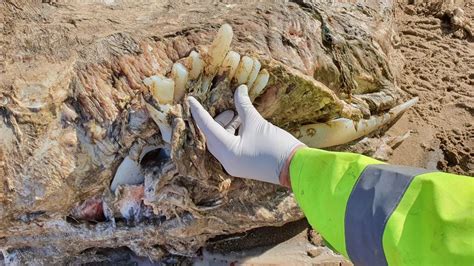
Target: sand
439, 69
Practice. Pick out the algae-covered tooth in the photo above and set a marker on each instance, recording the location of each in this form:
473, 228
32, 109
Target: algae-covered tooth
179, 73
253, 74
161, 119
196, 65
243, 70
230, 64
259, 84
161, 88
342, 130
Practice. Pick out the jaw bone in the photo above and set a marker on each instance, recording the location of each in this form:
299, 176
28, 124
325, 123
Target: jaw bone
246, 70
342, 130
218, 60
197, 72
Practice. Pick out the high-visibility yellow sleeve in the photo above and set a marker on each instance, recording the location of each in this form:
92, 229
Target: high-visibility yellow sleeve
322, 182
380, 214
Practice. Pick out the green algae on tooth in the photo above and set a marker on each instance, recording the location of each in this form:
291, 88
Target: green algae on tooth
342, 130
179, 73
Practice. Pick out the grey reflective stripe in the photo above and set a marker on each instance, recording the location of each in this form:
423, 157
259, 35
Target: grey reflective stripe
373, 199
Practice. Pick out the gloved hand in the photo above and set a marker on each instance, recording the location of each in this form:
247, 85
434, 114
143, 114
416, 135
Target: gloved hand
260, 151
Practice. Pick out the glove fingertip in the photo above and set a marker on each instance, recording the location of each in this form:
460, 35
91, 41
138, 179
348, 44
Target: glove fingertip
193, 103
241, 92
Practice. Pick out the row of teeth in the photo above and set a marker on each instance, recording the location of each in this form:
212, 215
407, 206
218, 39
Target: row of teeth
342, 130
199, 71
246, 70
218, 60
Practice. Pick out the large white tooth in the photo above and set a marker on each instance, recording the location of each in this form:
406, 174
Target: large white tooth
342, 130
160, 118
128, 173
161, 88
259, 84
196, 65
244, 69
230, 64
219, 48
180, 76
254, 72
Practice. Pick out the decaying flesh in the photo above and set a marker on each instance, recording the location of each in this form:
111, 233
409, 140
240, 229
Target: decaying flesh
78, 112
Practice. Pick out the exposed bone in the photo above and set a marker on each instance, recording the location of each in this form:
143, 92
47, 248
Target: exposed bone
259, 84
254, 73
161, 88
160, 118
180, 75
196, 64
244, 69
343, 130
128, 173
230, 64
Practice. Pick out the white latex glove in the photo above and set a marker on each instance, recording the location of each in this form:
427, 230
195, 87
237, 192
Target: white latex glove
261, 150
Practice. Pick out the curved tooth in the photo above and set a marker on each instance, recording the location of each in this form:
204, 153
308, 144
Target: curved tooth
196, 64
254, 73
343, 130
259, 84
161, 88
244, 69
219, 48
180, 77
128, 173
161, 119
230, 64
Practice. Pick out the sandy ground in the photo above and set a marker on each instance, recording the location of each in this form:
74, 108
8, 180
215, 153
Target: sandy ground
439, 69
